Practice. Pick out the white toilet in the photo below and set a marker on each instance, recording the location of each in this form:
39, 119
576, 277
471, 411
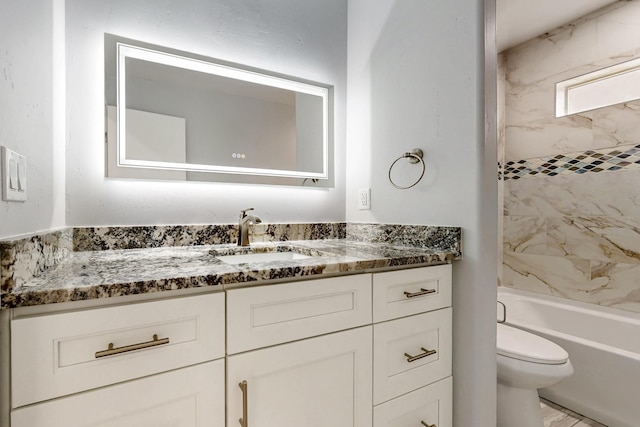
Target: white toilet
526, 362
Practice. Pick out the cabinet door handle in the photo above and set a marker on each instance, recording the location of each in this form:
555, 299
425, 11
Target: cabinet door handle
421, 292
110, 351
425, 353
244, 421
427, 425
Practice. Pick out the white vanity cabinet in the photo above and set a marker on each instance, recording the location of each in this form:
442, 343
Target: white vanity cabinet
315, 367
412, 347
361, 350
71, 368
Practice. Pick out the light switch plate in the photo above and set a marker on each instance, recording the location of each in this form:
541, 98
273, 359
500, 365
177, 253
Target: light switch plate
14, 176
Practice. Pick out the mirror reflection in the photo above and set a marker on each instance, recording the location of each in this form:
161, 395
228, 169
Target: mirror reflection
178, 116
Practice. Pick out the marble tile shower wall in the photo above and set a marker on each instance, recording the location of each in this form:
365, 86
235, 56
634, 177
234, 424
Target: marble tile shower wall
609, 36
575, 236
571, 224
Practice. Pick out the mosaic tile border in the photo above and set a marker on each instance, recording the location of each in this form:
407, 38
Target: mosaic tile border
609, 159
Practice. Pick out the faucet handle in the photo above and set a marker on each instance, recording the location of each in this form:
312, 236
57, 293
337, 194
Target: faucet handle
243, 212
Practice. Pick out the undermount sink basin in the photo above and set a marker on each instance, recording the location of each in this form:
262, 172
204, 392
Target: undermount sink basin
260, 257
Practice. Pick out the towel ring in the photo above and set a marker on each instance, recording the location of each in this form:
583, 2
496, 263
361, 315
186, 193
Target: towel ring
414, 156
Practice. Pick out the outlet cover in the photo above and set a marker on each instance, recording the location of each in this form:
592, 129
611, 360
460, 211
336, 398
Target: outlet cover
364, 199
14, 176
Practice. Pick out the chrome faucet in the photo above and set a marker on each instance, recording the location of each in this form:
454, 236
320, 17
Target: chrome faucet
243, 226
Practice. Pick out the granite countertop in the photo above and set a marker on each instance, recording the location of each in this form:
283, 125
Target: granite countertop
111, 273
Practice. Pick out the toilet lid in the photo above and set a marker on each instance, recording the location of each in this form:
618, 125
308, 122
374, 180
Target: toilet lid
522, 345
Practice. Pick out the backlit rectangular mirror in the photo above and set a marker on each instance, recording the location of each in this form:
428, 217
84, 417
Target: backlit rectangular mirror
179, 116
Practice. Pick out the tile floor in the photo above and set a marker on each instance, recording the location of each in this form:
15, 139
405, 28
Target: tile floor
557, 416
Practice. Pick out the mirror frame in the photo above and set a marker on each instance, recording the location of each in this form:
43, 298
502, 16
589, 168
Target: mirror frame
210, 66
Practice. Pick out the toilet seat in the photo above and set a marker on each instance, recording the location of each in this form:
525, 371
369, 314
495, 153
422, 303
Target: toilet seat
518, 344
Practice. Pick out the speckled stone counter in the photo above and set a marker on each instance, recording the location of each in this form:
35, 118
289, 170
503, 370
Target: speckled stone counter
83, 275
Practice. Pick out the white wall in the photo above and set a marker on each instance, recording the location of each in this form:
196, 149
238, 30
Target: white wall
32, 100
415, 79
303, 39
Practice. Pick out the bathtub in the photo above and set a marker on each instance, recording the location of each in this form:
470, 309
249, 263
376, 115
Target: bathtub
604, 348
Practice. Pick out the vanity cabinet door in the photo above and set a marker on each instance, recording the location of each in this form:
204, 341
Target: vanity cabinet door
188, 397
318, 382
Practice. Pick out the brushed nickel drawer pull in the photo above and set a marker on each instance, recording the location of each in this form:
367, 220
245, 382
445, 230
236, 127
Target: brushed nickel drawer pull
110, 351
427, 425
420, 293
426, 353
244, 421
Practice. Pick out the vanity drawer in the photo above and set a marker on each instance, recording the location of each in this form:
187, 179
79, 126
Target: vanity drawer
59, 354
431, 406
410, 353
187, 397
406, 292
267, 315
